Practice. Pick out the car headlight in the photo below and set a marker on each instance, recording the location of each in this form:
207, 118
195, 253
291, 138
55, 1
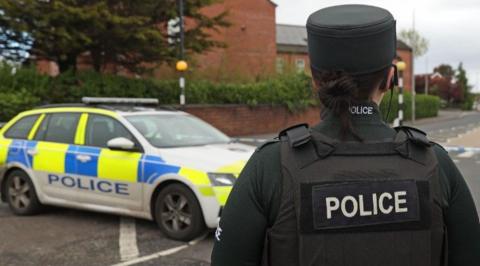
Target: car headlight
221, 179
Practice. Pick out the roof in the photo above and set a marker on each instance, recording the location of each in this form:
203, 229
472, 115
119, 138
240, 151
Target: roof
273, 3
403, 46
293, 39
115, 104
112, 108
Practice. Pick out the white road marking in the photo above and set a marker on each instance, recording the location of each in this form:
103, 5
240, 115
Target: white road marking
153, 256
460, 135
456, 161
163, 253
251, 140
128, 239
466, 154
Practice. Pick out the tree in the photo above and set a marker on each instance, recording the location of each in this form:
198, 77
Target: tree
453, 85
413, 39
445, 70
462, 80
126, 33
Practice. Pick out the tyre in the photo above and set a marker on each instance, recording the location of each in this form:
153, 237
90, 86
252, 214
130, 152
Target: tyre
20, 194
178, 213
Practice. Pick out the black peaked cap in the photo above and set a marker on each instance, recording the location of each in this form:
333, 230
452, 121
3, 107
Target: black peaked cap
358, 39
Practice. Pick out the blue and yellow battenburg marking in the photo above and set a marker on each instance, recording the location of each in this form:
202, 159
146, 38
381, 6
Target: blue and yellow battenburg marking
58, 159
4, 149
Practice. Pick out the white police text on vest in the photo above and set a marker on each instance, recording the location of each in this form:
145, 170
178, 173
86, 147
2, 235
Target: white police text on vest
361, 110
351, 206
362, 203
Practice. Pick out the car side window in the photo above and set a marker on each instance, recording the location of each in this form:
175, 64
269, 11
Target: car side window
21, 128
58, 127
101, 129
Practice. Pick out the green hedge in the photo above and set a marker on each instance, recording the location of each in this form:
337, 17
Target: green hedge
468, 104
27, 89
292, 90
11, 103
426, 106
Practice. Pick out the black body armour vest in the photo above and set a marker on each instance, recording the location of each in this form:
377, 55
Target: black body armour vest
358, 204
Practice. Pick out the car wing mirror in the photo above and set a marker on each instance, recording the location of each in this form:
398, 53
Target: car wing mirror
121, 144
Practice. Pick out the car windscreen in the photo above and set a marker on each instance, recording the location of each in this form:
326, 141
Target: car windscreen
167, 131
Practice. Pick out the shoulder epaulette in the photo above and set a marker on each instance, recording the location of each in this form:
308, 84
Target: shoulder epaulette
268, 142
296, 135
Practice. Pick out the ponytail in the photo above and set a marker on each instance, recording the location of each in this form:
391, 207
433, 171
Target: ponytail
339, 91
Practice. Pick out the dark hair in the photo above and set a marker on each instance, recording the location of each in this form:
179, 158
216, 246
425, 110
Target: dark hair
338, 91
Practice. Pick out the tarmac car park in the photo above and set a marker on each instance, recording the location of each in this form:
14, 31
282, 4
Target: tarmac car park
120, 156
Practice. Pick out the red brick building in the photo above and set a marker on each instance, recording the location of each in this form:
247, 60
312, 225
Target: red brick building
404, 52
256, 46
251, 41
292, 52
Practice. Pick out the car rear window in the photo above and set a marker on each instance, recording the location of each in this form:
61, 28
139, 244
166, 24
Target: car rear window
58, 127
21, 128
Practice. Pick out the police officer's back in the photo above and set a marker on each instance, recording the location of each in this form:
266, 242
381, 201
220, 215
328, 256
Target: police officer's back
351, 190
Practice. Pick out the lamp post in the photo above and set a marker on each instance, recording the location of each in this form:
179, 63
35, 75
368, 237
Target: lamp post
182, 65
401, 68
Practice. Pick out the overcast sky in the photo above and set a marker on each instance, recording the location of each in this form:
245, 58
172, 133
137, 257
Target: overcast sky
451, 26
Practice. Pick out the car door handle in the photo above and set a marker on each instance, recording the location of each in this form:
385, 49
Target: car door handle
32, 152
83, 158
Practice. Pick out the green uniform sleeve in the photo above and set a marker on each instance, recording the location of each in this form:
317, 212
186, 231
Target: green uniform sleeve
240, 236
461, 216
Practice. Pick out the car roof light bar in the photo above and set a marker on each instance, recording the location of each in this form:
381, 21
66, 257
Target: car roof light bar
126, 101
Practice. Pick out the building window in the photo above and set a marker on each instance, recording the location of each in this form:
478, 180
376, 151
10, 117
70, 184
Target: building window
300, 65
280, 65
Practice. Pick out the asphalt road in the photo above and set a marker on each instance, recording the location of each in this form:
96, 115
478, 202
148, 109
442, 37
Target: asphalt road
71, 237
451, 125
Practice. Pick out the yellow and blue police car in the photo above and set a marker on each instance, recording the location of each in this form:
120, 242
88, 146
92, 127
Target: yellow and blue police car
117, 155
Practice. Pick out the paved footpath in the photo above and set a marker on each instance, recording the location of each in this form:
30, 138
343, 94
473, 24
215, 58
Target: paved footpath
469, 139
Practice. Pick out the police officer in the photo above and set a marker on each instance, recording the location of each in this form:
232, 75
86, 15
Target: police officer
351, 190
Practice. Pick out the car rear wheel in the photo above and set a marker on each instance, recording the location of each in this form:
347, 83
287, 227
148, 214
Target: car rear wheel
20, 193
178, 213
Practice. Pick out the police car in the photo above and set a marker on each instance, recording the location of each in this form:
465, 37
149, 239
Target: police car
120, 156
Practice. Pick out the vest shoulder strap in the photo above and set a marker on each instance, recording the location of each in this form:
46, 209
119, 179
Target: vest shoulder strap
298, 139
297, 135
415, 135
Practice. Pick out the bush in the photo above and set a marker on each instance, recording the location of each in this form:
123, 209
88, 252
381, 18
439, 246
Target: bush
27, 88
12, 103
468, 104
425, 106
292, 91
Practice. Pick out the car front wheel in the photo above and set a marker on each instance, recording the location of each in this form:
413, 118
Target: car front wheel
178, 213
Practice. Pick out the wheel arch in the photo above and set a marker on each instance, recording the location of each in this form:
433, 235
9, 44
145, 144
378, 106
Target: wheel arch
209, 205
